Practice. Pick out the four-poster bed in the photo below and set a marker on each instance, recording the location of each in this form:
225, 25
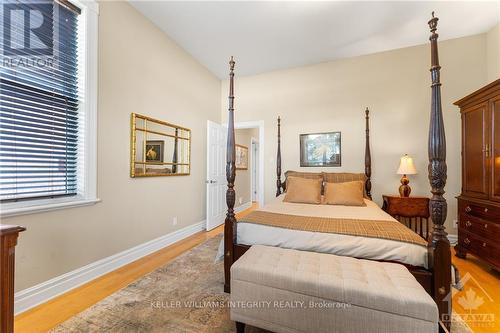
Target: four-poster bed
436, 276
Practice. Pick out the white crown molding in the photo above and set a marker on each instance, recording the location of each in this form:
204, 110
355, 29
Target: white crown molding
41, 293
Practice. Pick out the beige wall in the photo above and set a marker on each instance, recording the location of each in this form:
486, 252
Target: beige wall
157, 78
493, 53
154, 77
332, 96
243, 182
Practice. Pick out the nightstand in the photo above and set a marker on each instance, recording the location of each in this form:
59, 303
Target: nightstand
413, 212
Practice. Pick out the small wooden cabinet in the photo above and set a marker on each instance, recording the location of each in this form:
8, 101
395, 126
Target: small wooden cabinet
411, 211
479, 202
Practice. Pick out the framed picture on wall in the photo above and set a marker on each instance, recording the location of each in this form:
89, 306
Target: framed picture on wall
154, 150
241, 157
320, 150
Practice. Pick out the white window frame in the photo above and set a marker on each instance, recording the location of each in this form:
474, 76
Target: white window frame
88, 192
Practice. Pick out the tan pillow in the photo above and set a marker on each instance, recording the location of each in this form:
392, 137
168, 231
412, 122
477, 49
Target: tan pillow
307, 175
302, 190
346, 194
342, 177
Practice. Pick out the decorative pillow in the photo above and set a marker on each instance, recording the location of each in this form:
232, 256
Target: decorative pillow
303, 190
346, 193
306, 175
342, 177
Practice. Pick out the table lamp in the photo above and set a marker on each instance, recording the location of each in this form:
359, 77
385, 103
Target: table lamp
406, 167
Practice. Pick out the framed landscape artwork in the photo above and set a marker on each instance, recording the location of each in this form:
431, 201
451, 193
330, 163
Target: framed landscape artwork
320, 150
241, 157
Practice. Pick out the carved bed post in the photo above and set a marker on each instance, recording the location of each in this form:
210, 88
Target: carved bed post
368, 157
439, 247
278, 160
230, 222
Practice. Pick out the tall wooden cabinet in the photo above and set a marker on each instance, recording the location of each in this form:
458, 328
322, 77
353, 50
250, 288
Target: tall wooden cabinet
479, 202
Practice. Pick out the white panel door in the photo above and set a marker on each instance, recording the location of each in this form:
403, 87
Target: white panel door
216, 175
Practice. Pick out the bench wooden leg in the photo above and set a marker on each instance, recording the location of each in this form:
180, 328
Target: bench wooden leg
240, 327
442, 328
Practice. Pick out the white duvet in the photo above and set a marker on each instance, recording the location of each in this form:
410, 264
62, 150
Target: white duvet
344, 245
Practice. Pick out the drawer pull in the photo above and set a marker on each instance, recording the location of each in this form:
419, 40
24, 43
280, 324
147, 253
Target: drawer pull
468, 224
467, 241
486, 210
485, 226
468, 209
484, 244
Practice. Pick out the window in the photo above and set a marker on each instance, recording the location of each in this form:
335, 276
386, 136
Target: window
47, 105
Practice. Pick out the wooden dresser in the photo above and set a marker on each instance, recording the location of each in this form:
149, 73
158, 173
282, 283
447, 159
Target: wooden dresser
479, 202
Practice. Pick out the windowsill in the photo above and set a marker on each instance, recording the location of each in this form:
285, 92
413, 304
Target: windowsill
22, 208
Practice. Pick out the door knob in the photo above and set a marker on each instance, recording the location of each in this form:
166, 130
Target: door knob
211, 181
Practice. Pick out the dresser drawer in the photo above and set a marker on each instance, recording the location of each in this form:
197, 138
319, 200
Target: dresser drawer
472, 208
478, 226
483, 248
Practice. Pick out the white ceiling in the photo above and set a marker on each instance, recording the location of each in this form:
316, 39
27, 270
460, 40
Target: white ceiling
266, 36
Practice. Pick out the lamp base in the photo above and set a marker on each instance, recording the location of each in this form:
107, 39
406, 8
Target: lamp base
404, 189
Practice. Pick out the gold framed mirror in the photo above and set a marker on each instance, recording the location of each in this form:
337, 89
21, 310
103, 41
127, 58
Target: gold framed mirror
158, 148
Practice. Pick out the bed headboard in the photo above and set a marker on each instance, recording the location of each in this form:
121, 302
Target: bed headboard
281, 186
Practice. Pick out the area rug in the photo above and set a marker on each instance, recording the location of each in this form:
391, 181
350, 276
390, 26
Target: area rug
186, 295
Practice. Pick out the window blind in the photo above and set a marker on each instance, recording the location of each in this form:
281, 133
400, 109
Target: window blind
40, 101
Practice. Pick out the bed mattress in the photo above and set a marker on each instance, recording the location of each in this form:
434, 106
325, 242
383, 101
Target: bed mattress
344, 245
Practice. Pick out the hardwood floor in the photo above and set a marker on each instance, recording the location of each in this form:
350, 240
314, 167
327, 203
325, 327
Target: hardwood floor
56, 311
48, 315
480, 295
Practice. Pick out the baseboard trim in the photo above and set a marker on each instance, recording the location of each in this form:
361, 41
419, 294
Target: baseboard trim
243, 207
43, 292
453, 239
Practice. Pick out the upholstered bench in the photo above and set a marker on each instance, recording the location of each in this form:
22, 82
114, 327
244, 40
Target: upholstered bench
284, 290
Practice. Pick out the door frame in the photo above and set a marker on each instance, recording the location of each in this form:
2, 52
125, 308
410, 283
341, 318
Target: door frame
254, 142
260, 125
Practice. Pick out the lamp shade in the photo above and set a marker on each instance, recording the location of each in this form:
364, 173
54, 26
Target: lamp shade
406, 166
